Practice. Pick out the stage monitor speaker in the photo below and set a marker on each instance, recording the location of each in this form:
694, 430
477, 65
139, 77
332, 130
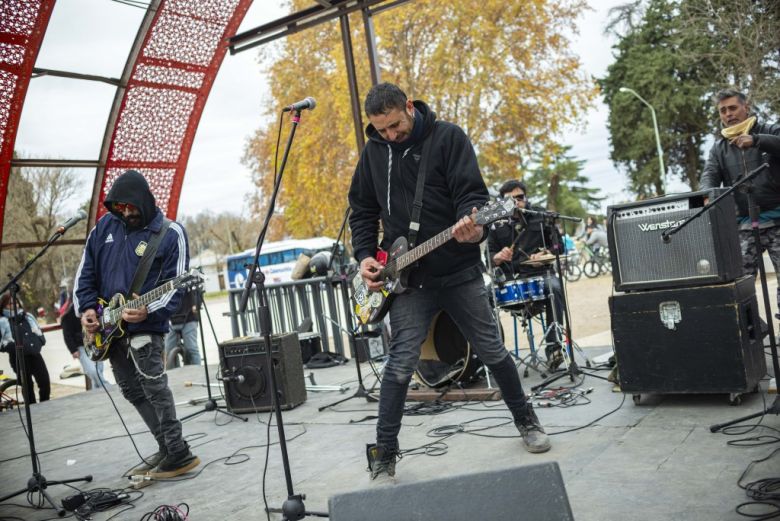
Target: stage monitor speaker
246, 376
706, 251
689, 340
530, 492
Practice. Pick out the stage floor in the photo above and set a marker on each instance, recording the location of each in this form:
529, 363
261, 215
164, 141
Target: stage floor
653, 461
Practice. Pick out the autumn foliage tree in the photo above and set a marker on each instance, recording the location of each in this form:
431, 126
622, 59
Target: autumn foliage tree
504, 71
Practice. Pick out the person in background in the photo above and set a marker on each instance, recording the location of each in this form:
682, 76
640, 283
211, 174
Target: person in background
184, 326
33, 340
74, 340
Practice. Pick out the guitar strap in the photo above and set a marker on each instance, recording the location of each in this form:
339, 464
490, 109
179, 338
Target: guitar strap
414, 223
148, 257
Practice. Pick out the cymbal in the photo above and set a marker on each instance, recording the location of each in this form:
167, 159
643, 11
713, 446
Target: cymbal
544, 259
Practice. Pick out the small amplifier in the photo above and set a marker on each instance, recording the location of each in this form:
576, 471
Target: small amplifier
706, 251
245, 372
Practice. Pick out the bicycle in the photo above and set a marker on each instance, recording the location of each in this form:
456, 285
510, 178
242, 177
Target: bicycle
597, 263
177, 357
571, 267
10, 390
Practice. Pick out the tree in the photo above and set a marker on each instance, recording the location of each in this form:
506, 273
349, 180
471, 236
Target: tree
557, 183
223, 234
677, 54
648, 60
35, 204
492, 67
744, 45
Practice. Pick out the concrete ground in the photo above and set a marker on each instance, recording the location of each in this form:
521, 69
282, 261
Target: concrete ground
619, 461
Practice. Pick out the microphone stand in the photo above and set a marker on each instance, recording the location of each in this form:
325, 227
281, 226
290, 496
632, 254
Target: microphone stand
361, 391
36, 483
573, 368
211, 403
293, 508
753, 211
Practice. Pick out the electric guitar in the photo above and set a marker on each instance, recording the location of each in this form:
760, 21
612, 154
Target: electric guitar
110, 313
371, 306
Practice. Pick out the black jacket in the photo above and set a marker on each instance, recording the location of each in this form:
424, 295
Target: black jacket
726, 163
383, 188
530, 235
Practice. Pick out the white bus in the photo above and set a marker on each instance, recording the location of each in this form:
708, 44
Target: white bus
277, 259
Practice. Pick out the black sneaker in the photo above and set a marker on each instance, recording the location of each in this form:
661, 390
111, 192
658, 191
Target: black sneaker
149, 463
381, 460
175, 464
535, 440
554, 359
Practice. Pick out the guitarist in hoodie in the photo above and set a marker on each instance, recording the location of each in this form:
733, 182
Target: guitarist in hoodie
449, 278
112, 253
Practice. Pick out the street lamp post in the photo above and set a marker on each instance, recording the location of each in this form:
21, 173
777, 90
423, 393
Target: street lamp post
657, 135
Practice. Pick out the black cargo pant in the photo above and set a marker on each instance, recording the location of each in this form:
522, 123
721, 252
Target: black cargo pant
137, 362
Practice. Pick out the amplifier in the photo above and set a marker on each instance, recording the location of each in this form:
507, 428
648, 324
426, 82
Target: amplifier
244, 366
706, 251
689, 340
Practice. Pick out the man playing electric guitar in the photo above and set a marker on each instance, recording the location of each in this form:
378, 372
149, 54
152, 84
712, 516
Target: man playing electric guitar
114, 250
449, 278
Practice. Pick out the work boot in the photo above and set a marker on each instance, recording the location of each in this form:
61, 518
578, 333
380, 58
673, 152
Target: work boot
175, 464
381, 460
535, 440
149, 463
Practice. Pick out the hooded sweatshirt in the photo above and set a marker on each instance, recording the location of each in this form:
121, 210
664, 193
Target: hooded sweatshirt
113, 251
383, 189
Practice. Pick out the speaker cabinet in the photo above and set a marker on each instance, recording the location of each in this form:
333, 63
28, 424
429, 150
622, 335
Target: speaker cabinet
689, 340
533, 492
247, 378
706, 251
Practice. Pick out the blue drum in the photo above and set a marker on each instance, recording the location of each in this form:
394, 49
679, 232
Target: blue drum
532, 288
508, 293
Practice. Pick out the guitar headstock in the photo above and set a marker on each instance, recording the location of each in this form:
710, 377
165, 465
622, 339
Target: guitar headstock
191, 279
498, 209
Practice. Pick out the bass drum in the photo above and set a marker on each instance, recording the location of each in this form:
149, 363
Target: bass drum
445, 356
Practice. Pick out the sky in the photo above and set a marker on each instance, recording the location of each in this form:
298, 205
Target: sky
65, 118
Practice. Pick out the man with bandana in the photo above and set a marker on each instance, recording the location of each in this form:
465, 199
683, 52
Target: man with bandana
114, 249
745, 144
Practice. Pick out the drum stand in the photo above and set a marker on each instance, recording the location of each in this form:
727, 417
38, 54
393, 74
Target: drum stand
532, 359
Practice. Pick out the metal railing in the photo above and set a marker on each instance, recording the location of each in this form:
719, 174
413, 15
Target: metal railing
290, 303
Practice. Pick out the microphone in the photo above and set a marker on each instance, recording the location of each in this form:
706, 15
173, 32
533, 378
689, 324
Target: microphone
238, 378
70, 223
307, 103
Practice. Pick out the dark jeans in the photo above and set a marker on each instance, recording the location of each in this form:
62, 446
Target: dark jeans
411, 315
35, 368
148, 392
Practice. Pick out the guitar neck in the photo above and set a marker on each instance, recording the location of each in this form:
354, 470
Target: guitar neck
143, 300
415, 254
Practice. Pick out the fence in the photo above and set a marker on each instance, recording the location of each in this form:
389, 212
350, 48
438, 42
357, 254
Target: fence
321, 299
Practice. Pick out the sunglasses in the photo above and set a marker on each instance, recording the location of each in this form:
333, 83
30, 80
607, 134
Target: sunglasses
520, 197
121, 207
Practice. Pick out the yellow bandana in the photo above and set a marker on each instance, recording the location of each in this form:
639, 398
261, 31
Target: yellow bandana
740, 129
